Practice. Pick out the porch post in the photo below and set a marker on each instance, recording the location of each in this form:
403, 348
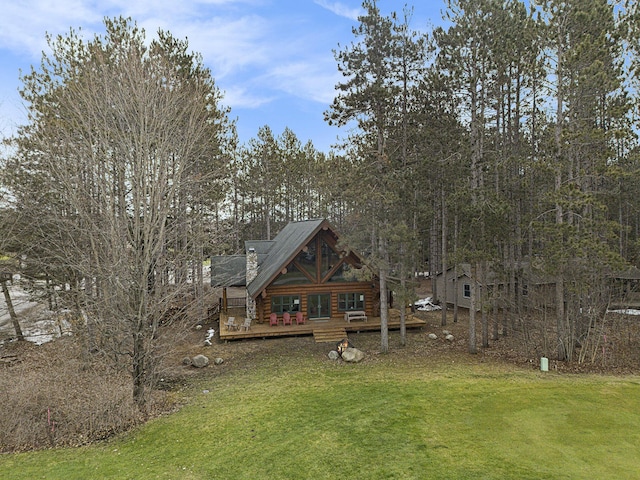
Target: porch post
224, 299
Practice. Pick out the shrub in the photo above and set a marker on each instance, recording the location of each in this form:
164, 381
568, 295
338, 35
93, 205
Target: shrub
56, 396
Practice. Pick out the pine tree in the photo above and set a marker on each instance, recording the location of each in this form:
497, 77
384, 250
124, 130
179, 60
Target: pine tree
368, 96
581, 248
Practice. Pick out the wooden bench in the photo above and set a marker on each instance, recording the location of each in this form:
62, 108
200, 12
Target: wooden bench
355, 315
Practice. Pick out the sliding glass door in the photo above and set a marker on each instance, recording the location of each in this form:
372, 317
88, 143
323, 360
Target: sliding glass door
319, 305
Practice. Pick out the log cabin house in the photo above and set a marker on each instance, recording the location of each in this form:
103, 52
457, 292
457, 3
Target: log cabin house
301, 270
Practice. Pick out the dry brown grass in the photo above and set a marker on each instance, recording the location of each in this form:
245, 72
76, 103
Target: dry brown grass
51, 396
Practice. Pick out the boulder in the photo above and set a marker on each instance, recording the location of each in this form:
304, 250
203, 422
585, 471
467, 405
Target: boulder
333, 355
352, 355
432, 336
200, 361
218, 361
449, 337
186, 361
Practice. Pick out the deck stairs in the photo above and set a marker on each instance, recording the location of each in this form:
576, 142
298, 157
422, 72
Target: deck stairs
329, 334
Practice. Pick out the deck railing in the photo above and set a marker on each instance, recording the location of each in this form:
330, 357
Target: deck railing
236, 302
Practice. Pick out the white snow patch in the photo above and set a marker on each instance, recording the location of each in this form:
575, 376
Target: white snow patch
628, 311
38, 324
43, 331
426, 305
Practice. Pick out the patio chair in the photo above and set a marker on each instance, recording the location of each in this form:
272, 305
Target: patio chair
273, 319
246, 325
231, 324
300, 318
286, 318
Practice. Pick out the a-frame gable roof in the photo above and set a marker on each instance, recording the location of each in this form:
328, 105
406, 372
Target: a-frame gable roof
285, 246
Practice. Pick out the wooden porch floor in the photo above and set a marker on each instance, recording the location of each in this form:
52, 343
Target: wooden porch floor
327, 330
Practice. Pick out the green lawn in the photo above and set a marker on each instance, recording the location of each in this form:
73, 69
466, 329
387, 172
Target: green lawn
310, 418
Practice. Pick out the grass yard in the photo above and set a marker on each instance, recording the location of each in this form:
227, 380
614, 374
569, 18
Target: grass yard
310, 418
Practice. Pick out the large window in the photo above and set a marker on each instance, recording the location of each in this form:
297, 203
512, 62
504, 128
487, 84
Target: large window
285, 303
329, 258
339, 275
292, 277
307, 259
350, 301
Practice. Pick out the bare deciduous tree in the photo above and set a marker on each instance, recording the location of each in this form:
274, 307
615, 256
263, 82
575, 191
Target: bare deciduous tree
123, 140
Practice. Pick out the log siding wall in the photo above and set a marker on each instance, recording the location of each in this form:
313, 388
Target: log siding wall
371, 296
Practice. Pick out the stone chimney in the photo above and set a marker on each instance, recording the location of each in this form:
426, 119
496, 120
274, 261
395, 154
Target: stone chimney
252, 272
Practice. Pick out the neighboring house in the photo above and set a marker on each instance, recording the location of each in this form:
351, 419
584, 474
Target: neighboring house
625, 292
537, 289
301, 269
458, 289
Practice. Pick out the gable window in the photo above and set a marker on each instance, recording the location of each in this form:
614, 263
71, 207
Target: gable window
329, 258
350, 301
339, 274
292, 276
307, 259
466, 290
285, 303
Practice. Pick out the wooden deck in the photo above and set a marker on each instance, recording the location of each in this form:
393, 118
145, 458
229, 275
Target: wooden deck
326, 330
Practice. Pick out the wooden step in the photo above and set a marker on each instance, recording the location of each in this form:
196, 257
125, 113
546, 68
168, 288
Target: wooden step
334, 334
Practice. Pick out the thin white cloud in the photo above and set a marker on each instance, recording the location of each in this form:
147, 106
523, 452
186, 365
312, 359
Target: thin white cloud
340, 9
241, 97
309, 80
227, 45
170, 10
255, 60
23, 25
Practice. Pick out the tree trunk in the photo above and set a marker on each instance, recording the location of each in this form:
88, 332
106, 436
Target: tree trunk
562, 334
443, 320
384, 300
494, 310
559, 220
138, 366
403, 314
482, 300
472, 311
455, 270
12, 312
403, 301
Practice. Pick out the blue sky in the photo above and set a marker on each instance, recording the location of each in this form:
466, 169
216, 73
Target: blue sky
272, 58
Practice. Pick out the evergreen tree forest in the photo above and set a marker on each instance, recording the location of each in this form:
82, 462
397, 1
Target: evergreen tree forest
506, 140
